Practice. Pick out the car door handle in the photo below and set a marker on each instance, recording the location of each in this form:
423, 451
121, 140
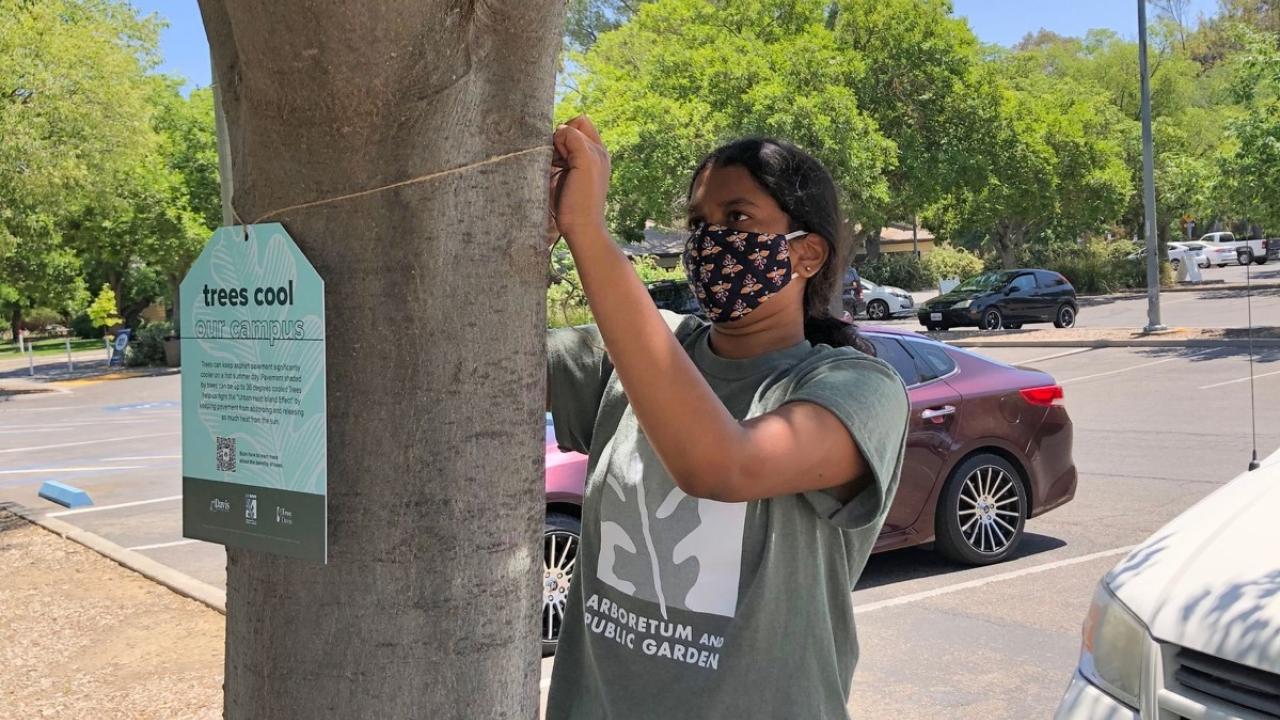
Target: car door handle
938, 412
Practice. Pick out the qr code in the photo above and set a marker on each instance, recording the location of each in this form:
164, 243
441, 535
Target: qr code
226, 454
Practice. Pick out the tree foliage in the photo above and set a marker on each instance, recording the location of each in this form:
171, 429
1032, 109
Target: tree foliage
107, 173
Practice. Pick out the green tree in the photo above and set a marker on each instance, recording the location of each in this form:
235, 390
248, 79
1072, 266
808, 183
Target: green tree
1252, 161
102, 313
686, 75
73, 112
924, 86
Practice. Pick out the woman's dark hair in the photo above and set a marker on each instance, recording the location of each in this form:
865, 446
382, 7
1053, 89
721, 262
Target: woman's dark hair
804, 190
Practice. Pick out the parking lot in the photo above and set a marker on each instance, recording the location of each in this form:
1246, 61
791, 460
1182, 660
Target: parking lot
1155, 430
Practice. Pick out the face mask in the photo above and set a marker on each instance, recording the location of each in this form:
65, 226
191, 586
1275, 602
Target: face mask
733, 272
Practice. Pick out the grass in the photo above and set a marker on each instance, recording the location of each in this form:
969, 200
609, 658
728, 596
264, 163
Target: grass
53, 346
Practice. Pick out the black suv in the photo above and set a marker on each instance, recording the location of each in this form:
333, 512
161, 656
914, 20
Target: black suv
1004, 299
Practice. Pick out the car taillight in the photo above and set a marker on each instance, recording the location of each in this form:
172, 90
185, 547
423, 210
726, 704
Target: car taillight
1043, 396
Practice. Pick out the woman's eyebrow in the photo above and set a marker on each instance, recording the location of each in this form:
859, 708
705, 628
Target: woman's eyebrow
739, 202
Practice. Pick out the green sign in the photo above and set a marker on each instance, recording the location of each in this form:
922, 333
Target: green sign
254, 437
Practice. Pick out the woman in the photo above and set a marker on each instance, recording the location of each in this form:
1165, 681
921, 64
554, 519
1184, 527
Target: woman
740, 469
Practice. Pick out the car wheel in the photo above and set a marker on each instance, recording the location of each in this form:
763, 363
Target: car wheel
1065, 317
992, 319
982, 511
1244, 257
561, 537
877, 310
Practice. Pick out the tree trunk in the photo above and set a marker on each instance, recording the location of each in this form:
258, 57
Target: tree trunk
1009, 243
15, 323
175, 304
435, 301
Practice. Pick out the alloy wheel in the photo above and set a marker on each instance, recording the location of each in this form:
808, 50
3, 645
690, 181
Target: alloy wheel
877, 310
988, 509
559, 557
1066, 316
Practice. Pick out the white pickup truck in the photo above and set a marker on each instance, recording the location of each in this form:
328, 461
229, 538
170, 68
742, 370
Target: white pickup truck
1222, 249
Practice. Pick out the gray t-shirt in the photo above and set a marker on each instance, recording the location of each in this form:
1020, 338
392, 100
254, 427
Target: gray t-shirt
690, 608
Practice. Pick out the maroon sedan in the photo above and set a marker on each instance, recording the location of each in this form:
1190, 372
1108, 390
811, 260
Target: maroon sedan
989, 446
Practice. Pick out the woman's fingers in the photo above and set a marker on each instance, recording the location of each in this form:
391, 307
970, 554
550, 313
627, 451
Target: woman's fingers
573, 145
583, 124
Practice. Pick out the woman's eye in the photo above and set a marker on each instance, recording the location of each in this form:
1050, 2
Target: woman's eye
737, 217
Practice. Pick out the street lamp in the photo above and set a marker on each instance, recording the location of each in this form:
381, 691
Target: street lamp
1148, 182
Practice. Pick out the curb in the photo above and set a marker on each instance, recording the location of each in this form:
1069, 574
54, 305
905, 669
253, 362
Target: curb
178, 582
1201, 287
1195, 342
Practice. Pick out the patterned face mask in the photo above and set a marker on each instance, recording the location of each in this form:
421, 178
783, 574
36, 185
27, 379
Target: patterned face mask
733, 272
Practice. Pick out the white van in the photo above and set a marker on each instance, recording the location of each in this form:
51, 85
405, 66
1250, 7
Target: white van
1187, 626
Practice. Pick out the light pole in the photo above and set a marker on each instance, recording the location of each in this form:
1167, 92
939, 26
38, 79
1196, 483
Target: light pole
1148, 182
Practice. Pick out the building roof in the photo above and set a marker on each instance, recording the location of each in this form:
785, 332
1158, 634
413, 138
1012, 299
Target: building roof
901, 232
659, 242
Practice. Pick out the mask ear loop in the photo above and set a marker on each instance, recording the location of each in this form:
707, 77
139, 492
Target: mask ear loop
794, 235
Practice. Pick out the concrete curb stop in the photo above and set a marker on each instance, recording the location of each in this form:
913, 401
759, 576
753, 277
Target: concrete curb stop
178, 582
63, 494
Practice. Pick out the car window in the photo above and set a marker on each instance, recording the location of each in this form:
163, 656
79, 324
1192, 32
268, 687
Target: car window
1050, 279
892, 352
1025, 283
933, 361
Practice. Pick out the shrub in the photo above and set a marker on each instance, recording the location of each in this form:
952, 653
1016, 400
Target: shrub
904, 270
1100, 267
40, 321
103, 310
82, 326
147, 345
949, 261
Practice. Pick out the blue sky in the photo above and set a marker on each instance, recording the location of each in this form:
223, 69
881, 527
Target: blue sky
997, 21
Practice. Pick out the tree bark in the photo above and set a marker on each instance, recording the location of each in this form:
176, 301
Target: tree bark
15, 323
435, 301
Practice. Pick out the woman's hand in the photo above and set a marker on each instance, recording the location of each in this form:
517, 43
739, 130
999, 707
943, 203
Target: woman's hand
579, 181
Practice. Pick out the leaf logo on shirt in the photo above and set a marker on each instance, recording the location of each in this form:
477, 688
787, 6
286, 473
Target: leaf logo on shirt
660, 545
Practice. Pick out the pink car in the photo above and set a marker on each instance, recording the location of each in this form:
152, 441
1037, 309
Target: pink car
566, 481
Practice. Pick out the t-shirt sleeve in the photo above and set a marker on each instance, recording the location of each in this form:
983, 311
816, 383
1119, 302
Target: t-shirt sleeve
870, 399
578, 371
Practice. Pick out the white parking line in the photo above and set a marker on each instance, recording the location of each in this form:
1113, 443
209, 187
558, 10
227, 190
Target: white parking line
1136, 367
164, 545
142, 457
1014, 574
46, 471
96, 508
89, 442
1240, 380
1055, 356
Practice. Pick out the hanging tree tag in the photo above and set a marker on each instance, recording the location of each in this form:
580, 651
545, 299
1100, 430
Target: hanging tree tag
254, 431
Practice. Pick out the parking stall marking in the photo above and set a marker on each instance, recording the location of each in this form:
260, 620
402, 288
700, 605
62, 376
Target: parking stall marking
1139, 366
89, 442
157, 546
1239, 380
980, 582
98, 508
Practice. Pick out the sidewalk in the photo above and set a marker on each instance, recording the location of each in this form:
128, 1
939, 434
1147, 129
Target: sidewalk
87, 638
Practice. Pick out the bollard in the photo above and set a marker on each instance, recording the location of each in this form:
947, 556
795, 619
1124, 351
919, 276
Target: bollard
31, 359
70, 365
107, 342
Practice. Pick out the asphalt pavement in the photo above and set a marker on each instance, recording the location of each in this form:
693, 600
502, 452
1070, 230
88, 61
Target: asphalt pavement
1156, 429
